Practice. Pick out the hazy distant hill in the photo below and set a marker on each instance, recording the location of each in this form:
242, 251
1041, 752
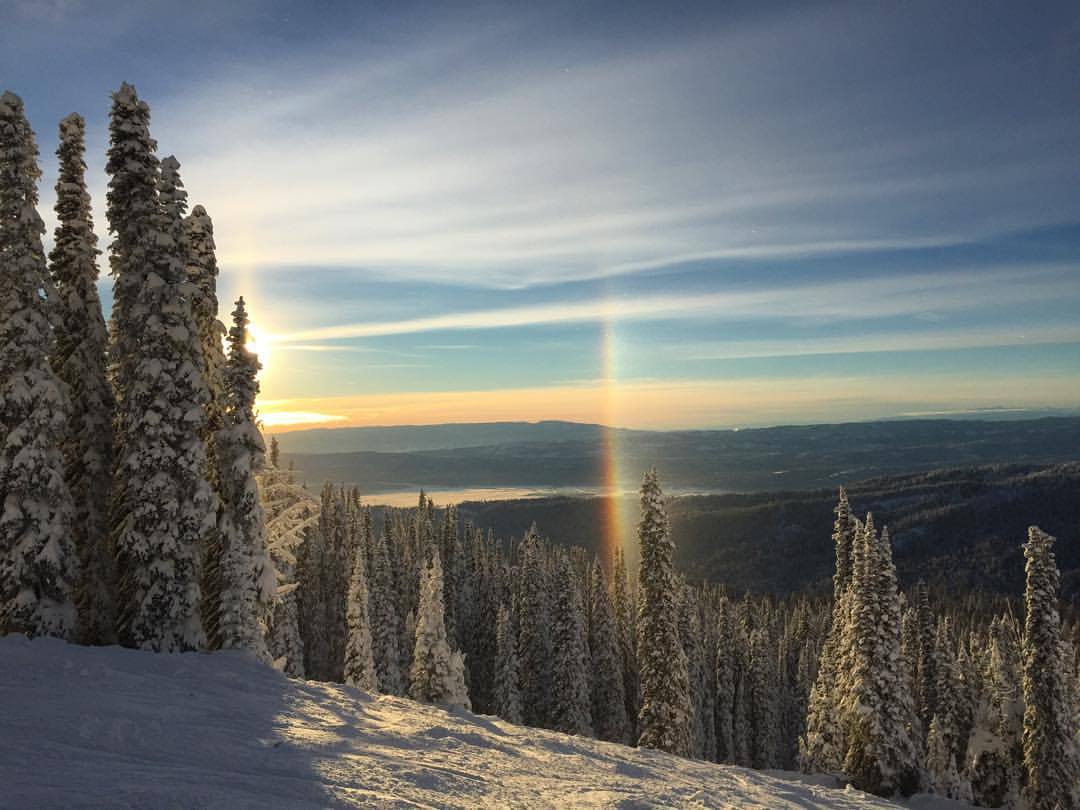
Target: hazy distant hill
959, 528
561, 454
411, 438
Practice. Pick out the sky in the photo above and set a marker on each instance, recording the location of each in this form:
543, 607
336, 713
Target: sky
654, 215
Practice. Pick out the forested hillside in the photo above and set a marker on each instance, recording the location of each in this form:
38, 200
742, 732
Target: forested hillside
550, 455
955, 527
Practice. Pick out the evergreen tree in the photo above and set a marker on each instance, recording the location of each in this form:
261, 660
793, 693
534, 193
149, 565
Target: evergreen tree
941, 763
534, 629
762, 692
995, 754
359, 660
664, 720
926, 673
437, 674
570, 699
163, 506
384, 624
247, 577
290, 512
202, 272
507, 694
693, 647
79, 360
726, 676
626, 628
881, 755
1049, 739
38, 558
823, 746
608, 697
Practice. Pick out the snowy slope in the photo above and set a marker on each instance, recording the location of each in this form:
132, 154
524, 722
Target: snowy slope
108, 727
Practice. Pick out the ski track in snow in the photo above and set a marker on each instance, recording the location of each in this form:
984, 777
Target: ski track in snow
84, 727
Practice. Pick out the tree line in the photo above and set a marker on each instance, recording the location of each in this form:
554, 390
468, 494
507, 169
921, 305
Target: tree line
128, 454
888, 691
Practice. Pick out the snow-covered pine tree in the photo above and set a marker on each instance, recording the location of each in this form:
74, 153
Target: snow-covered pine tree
994, 750
132, 212
79, 360
1049, 740
742, 731
359, 660
202, 272
626, 628
608, 697
926, 673
693, 647
941, 763
822, 747
534, 631
664, 719
570, 699
163, 504
290, 512
881, 756
437, 674
946, 687
313, 590
507, 693
485, 586
38, 558
384, 622
246, 575
726, 675
762, 689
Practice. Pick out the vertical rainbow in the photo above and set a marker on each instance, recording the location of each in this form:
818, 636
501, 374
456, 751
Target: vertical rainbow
612, 524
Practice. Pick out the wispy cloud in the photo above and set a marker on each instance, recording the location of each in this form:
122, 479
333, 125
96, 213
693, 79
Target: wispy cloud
872, 342
835, 300
474, 156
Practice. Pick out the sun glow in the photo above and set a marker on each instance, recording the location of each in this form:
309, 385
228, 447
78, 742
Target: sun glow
259, 341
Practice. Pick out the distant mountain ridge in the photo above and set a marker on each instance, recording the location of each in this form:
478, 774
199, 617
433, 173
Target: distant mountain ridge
414, 438
571, 455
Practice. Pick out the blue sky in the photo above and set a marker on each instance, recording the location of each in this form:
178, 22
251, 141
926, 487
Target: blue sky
663, 215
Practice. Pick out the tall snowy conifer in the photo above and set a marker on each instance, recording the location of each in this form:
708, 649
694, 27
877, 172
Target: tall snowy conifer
726, 675
202, 271
626, 629
571, 711
823, 745
384, 621
995, 754
534, 632
246, 574
881, 755
38, 558
79, 360
163, 506
507, 693
608, 696
1050, 754
359, 661
664, 720
438, 673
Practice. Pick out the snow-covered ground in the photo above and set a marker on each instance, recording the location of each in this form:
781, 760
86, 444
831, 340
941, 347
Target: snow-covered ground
108, 727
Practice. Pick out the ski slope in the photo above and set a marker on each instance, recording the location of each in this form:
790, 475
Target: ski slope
107, 727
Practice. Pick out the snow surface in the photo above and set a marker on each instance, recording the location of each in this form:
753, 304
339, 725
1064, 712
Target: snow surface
111, 727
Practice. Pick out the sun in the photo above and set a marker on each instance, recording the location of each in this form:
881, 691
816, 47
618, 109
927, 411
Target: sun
259, 341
